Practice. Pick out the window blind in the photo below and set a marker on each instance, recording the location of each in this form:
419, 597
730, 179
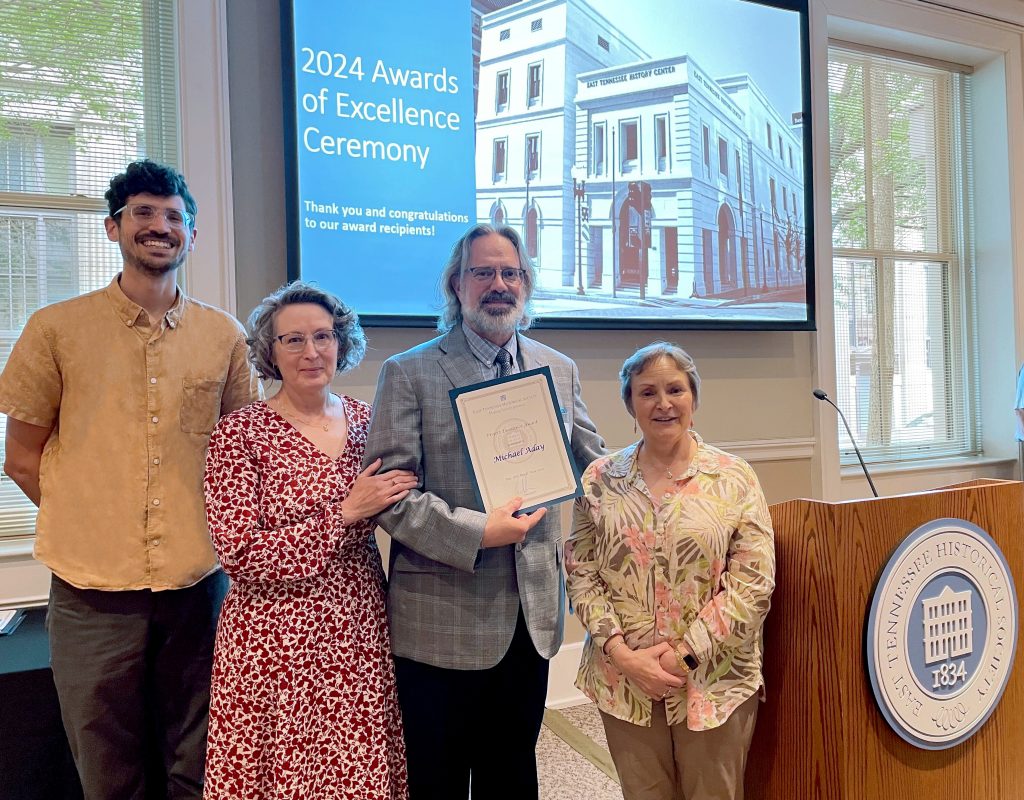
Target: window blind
83, 91
902, 258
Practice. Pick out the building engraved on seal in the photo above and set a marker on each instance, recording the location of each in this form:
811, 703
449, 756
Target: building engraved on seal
941, 634
947, 625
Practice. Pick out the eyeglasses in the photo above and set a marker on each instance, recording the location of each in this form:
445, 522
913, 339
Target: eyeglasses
145, 214
296, 342
511, 276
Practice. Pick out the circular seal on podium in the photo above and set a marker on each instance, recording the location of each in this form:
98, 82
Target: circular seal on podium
942, 633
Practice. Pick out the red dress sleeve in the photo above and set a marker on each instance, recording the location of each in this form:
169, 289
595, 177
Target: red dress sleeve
248, 550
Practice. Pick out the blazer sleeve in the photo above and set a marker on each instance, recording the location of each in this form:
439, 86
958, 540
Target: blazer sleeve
422, 521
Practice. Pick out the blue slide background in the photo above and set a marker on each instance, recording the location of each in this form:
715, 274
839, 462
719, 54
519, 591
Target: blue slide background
382, 273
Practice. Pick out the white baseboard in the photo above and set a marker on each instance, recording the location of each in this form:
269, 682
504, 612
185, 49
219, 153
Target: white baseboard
562, 676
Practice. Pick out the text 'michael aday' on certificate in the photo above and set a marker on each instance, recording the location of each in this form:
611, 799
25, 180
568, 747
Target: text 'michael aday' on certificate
515, 442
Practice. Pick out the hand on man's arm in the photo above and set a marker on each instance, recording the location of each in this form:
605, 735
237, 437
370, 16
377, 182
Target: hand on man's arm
23, 451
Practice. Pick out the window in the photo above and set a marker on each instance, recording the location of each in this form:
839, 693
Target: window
597, 148
499, 160
771, 191
36, 156
785, 200
769, 136
706, 141
723, 157
780, 147
61, 139
603, 44
661, 142
536, 25
532, 156
504, 34
903, 290
629, 146
533, 82
501, 92
791, 157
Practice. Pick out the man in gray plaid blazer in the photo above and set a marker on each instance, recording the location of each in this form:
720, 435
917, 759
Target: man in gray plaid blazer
475, 600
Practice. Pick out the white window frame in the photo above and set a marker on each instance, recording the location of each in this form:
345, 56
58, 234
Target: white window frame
599, 148
960, 374
662, 161
500, 106
531, 99
499, 176
531, 147
629, 165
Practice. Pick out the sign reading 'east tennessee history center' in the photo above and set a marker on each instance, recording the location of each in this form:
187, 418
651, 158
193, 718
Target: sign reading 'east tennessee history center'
942, 633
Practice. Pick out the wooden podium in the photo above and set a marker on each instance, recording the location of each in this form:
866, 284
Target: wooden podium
820, 734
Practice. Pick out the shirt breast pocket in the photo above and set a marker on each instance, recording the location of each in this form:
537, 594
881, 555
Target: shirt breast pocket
200, 404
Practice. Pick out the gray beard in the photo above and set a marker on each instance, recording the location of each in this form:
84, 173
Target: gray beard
486, 324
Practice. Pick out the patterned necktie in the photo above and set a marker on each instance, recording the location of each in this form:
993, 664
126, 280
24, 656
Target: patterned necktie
504, 361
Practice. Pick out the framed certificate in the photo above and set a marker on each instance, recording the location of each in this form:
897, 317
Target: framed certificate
515, 442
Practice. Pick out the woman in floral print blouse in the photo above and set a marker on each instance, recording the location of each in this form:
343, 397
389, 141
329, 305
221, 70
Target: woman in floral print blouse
671, 567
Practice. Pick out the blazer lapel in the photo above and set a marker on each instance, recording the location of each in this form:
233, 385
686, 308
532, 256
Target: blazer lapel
526, 353
456, 361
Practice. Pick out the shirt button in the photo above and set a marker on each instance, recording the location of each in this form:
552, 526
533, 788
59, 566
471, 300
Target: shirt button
156, 543
156, 420
152, 380
156, 460
156, 502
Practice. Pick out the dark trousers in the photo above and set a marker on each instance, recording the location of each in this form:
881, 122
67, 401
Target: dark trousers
132, 671
478, 726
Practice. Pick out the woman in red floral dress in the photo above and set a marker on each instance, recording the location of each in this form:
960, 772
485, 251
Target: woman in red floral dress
303, 701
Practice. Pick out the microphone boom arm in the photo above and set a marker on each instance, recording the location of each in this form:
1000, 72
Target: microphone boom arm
822, 396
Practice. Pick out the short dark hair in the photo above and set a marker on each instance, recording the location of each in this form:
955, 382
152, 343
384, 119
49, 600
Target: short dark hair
149, 177
347, 330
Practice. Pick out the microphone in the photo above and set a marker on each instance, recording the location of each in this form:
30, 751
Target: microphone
822, 396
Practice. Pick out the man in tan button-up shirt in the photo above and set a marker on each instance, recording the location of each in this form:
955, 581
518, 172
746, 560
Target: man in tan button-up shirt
111, 398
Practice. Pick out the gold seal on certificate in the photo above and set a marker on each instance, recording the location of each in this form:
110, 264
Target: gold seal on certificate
515, 442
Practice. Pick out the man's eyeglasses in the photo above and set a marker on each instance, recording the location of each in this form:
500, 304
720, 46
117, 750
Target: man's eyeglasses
511, 276
144, 214
296, 342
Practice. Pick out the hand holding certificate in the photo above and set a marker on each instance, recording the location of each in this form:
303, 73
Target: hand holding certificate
515, 441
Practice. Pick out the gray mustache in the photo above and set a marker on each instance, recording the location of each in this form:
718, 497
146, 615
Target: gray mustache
502, 297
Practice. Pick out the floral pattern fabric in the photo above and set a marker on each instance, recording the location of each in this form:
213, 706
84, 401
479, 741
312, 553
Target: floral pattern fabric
697, 565
303, 701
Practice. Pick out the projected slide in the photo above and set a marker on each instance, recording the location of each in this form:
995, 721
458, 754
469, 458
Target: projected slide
651, 154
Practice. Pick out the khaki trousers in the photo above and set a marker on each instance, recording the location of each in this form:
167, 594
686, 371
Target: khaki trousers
671, 762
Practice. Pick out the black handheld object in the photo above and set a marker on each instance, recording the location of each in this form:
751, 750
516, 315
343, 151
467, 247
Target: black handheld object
822, 396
